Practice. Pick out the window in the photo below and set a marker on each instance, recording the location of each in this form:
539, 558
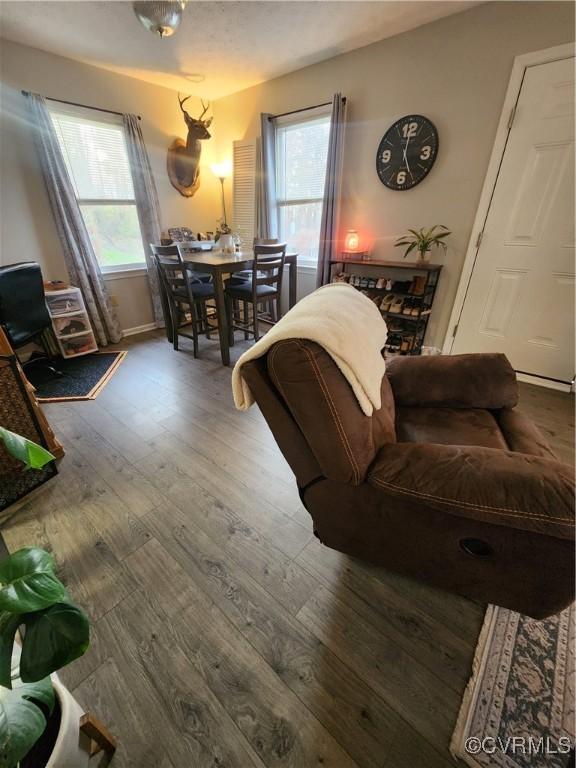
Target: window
96, 157
301, 154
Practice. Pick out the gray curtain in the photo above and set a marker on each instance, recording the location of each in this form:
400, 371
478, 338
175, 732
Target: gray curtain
147, 204
331, 207
83, 268
266, 216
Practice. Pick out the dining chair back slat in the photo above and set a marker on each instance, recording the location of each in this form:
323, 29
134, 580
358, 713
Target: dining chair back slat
268, 265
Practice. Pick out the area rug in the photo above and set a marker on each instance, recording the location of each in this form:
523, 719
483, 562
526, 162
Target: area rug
518, 709
84, 377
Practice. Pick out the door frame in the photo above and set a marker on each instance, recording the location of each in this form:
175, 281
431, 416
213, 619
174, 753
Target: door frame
521, 63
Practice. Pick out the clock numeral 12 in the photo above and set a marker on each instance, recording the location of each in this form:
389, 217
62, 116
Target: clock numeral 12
409, 130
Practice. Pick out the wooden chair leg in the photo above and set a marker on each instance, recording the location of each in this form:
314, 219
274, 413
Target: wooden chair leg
174, 317
194, 317
246, 320
205, 320
100, 737
229, 306
273, 314
255, 319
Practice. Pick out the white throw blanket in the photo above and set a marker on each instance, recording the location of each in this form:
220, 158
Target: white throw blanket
346, 324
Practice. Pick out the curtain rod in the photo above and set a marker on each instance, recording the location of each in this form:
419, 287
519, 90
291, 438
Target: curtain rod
84, 106
304, 109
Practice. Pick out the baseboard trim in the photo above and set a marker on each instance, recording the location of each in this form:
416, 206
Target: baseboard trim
559, 386
139, 329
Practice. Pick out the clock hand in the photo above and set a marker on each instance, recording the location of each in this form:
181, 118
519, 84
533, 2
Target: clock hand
405, 150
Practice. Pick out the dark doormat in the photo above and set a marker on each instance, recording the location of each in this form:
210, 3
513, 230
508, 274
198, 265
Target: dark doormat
83, 377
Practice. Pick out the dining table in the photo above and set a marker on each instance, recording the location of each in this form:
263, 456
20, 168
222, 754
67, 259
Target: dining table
219, 265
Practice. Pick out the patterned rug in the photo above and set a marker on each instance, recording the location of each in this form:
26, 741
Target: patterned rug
83, 378
518, 709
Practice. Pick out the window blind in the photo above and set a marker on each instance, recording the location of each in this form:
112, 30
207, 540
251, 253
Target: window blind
301, 154
96, 157
244, 195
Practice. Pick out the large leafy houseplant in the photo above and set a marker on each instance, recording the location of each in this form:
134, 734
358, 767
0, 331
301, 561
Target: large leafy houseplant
53, 631
423, 240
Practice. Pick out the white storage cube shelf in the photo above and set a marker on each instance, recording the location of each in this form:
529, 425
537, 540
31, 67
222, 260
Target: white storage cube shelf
70, 322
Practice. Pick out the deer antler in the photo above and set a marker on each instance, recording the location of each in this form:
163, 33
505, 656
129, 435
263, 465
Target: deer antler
181, 102
206, 107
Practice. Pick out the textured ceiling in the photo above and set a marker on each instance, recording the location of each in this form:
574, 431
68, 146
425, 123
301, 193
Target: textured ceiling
231, 44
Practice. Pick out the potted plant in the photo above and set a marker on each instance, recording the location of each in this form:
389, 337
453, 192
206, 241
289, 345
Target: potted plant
41, 631
224, 237
423, 240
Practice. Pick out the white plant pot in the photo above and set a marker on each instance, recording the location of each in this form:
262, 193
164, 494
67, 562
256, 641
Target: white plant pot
72, 747
226, 243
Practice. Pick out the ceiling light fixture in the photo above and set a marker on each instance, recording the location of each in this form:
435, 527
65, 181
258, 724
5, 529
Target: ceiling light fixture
161, 18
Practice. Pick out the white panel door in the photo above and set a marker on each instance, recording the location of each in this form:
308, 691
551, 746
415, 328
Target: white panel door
520, 298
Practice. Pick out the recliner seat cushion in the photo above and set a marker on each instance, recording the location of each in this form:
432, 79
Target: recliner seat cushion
343, 439
449, 426
521, 434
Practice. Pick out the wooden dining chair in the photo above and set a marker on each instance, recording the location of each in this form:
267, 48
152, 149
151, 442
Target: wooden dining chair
246, 274
263, 288
176, 250
184, 295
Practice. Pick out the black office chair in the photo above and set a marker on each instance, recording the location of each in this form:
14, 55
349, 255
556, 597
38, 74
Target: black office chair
24, 316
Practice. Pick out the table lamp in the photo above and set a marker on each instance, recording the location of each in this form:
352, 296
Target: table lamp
352, 246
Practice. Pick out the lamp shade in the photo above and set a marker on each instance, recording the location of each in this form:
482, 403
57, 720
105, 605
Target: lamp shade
352, 241
222, 170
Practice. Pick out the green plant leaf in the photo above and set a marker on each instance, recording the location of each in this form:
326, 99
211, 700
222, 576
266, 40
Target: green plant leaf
28, 582
417, 233
410, 248
9, 623
53, 638
32, 455
22, 722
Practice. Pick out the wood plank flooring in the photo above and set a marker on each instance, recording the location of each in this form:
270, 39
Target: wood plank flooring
223, 633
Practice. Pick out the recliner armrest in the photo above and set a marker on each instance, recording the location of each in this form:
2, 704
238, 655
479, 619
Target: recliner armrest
484, 380
487, 484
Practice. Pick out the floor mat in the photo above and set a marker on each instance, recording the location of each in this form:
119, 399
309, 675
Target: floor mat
518, 708
84, 377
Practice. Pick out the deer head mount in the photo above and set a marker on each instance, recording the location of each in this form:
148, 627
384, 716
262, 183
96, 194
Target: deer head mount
184, 156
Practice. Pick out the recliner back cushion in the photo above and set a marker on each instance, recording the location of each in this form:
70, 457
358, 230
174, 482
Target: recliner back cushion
342, 438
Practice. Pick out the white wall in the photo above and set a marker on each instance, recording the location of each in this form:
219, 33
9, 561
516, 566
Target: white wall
455, 71
27, 230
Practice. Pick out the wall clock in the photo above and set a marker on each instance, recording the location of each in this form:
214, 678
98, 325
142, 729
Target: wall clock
407, 152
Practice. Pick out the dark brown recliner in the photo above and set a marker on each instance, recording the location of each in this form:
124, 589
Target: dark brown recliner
447, 482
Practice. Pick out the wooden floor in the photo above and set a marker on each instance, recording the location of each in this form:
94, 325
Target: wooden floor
223, 633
